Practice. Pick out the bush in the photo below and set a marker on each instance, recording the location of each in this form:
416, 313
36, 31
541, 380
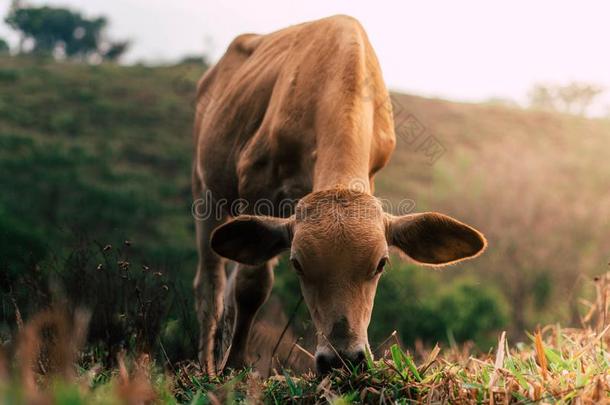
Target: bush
9, 75
133, 306
65, 122
471, 311
22, 247
4, 48
21, 244
413, 301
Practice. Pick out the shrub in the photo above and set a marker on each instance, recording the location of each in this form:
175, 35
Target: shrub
4, 48
9, 75
414, 301
470, 310
133, 306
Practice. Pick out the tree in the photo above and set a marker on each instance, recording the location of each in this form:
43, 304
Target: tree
195, 60
573, 98
4, 48
542, 97
61, 31
115, 50
578, 97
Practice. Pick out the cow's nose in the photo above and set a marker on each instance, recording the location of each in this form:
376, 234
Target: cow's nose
325, 362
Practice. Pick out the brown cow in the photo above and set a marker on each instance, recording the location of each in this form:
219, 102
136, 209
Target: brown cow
301, 115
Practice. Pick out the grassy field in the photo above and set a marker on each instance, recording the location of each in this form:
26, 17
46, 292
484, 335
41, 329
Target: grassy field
95, 215
556, 366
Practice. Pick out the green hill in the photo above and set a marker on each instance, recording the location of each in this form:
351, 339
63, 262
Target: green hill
102, 154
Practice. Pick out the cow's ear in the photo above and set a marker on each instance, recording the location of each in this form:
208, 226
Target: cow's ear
252, 239
434, 239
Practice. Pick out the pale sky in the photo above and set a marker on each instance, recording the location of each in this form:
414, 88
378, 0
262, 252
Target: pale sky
466, 50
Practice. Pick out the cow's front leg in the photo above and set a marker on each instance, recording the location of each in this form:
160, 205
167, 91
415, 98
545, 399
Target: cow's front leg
251, 286
209, 285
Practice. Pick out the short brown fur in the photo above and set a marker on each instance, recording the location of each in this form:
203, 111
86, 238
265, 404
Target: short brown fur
302, 114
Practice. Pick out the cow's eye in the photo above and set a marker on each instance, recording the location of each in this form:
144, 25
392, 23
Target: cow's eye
381, 265
297, 266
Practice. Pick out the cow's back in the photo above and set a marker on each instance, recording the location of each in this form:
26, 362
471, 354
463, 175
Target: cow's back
281, 111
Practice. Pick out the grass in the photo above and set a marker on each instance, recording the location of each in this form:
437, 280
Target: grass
558, 365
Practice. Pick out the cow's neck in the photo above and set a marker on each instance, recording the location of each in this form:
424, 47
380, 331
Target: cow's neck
343, 142
343, 165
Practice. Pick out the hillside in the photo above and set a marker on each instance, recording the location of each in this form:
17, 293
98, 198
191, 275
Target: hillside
102, 154
537, 184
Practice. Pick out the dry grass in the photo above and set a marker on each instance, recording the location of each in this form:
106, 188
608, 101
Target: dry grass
563, 366
557, 366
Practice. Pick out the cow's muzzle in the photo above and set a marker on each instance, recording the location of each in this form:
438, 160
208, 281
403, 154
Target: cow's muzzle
325, 362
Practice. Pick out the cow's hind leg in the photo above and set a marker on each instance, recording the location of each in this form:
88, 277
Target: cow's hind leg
250, 288
209, 285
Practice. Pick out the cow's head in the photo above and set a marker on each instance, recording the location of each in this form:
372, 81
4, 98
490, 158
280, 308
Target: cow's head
339, 243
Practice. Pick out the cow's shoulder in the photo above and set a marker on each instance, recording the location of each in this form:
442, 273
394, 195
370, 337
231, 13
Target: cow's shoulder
340, 21
238, 51
245, 44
